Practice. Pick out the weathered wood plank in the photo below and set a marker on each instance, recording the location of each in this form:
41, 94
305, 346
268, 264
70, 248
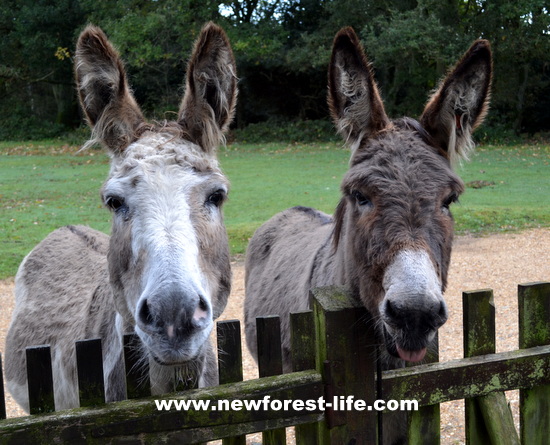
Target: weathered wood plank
137, 371
469, 377
40, 379
270, 356
230, 357
139, 421
534, 330
89, 364
346, 357
424, 425
270, 362
302, 341
478, 338
2, 395
488, 418
498, 419
230, 361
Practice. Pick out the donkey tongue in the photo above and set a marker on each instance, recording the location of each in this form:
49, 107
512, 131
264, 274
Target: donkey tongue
411, 356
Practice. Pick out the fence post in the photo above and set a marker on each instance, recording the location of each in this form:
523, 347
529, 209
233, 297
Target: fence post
137, 373
302, 339
424, 425
346, 357
2, 396
488, 418
534, 330
230, 362
270, 362
89, 364
40, 379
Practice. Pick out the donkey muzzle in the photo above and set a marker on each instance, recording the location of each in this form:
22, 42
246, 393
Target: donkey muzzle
413, 307
173, 324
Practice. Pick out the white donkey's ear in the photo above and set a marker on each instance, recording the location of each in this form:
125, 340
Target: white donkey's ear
110, 108
461, 102
353, 97
210, 96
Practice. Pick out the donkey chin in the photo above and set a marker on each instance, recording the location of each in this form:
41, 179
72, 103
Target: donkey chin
413, 308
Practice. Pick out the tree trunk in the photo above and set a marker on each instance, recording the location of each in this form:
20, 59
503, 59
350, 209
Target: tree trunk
520, 106
67, 109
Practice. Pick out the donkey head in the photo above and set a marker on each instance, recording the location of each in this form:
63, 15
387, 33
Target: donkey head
393, 224
168, 258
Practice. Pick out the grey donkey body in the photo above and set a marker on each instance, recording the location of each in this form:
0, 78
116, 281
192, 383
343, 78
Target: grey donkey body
389, 241
165, 271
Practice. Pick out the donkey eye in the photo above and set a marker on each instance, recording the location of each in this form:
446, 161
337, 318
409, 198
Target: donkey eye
216, 198
361, 199
453, 197
114, 203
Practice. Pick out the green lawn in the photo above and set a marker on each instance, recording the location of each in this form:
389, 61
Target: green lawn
515, 192
46, 185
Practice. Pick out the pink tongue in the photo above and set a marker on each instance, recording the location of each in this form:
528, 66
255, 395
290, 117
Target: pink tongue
411, 356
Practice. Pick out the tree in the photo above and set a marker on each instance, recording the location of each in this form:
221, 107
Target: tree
520, 35
35, 60
282, 48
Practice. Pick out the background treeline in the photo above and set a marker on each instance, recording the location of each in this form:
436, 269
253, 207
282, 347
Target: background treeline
282, 50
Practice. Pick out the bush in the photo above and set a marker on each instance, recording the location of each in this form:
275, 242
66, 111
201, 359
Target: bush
497, 134
275, 130
24, 128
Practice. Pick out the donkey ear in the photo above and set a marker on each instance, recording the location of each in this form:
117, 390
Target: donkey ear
210, 96
353, 97
110, 108
461, 102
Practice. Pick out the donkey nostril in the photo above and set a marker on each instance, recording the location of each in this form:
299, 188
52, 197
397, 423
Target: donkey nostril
202, 311
145, 315
390, 310
203, 306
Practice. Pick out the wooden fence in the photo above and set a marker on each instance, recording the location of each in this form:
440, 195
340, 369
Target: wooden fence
333, 355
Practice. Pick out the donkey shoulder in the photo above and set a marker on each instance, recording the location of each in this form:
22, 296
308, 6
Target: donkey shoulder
67, 249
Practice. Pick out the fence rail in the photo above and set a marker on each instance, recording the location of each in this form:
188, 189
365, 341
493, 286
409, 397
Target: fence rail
333, 354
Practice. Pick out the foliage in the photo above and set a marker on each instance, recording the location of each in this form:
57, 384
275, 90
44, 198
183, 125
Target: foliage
274, 130
282, 49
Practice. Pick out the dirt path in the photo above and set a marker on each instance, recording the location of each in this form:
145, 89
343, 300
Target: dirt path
499, 262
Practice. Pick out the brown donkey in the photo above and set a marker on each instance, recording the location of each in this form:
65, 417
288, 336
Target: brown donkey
390, 239
165, 271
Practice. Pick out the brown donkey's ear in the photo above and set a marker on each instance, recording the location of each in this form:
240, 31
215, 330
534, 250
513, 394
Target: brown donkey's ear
210, 96
353, 97
461, 102
110, 108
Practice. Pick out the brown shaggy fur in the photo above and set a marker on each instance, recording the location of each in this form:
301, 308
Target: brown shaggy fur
395, 198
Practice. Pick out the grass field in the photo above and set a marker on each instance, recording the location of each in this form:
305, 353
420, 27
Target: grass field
47, 184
